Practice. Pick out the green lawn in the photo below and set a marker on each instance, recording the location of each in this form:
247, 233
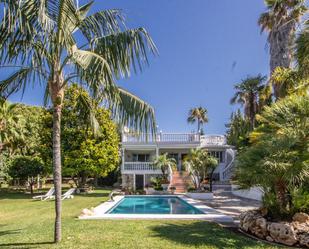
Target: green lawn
25, 223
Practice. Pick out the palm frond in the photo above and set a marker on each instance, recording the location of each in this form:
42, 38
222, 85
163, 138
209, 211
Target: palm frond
94, 71
191, 119
125, 49
83, 10
47, 22
18, 80
101, 24
302, 51
85, 104
235, 98
131, 111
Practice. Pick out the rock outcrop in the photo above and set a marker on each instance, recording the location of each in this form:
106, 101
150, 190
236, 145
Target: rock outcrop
282, 233
287, 233
254, 223
301, 217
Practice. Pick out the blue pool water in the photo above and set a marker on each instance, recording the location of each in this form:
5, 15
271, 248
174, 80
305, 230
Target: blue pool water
153, 205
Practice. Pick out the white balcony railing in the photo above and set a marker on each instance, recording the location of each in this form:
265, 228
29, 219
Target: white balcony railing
213, 140
161, 138
139, 166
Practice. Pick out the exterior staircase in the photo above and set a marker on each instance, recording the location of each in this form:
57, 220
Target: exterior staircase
180, 181
230, 167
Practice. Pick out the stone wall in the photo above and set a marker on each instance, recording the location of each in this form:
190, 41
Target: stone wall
127, 181
287, 233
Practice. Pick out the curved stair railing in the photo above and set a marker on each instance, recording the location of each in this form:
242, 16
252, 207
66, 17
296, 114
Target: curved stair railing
170, 174
229, 169
191, 173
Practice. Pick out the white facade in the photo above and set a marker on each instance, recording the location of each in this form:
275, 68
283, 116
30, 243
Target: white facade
139, 151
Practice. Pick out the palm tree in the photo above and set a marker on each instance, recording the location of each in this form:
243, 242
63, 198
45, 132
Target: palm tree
200, 165
11, 129
211, 164
302, 58
277, 159
289, 81
247, 94
302, 49
194, 165
238, 130
280, 21
199, 115
163, 162
56, 42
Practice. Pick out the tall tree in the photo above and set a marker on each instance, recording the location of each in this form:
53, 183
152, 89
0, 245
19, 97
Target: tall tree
302, 58
11, 129
238, 130
55, 42
84, 153
289, 81
198, 115
248, 93
27, 169
32, 126
277, 159
280, 21
201, 165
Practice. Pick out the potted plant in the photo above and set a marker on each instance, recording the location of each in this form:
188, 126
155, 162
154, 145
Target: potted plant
165, 183
172, 189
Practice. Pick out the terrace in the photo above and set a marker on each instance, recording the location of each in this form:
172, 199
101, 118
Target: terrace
173, 138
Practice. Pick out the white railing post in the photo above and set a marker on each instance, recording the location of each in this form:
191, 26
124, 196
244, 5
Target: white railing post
170, 174
139, 166
213, 140
228, 170
162, 137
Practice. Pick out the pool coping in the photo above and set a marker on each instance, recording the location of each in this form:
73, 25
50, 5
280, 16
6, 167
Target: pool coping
210, 214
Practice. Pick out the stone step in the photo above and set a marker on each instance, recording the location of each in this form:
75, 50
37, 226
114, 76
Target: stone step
179, 181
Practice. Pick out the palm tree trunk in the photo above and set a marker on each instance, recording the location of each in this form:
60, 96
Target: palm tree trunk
198, 125
57, 93
57, 169
252, 115
280, 41
210, 179
281, 193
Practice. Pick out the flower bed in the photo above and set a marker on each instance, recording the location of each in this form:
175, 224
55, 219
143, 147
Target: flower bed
291, 233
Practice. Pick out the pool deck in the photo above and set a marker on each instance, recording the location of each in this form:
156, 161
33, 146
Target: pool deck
210, 214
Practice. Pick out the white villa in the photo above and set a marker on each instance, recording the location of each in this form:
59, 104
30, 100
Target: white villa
139, 152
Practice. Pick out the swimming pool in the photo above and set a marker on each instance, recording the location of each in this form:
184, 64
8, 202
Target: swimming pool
153, 205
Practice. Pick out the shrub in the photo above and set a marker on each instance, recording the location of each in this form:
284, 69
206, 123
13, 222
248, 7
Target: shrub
156, 182
300, 200
278, 157
26, 168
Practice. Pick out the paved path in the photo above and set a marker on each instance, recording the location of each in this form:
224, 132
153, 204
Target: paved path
225, 202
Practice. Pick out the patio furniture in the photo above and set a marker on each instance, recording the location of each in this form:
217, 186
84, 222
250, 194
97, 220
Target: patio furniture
68, 194
48, 195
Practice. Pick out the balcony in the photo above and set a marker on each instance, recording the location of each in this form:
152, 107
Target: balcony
213, 140
140, 167
181, 138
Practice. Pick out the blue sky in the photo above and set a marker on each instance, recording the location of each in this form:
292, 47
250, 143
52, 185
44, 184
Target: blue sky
205, 47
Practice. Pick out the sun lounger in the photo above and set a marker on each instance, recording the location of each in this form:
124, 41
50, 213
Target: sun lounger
48, 195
